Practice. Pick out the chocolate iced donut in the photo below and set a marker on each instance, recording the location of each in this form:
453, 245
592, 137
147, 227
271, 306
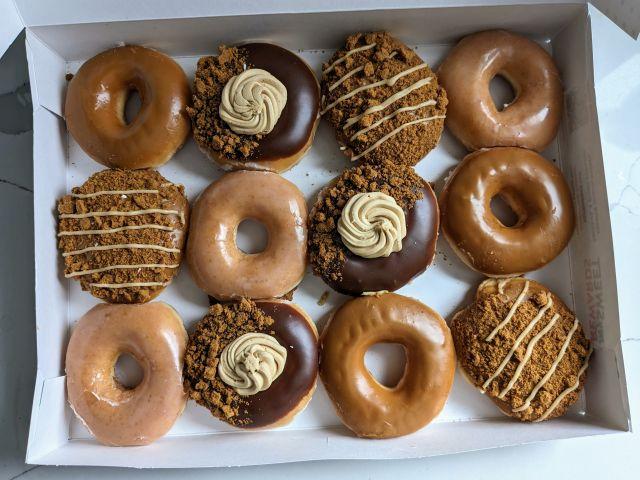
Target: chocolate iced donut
535, 190
346, 267
269, 129
368, 408
253, 365
531, 120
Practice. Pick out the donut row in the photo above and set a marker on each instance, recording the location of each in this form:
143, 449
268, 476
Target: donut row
254, 358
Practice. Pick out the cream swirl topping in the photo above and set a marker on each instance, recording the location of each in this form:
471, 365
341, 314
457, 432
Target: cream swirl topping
372, 225
252, 102
251, 363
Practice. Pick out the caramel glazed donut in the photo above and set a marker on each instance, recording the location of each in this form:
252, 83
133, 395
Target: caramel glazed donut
216, 263
253, 365
95, 107
535, 190
368, 408
255, 106
530, 121
154, 335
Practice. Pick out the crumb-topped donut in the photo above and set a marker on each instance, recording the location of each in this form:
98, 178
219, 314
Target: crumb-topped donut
122, 233
368, 408
255, 107
522, 346
373, 228
253, 364
383, 101
534, 189
96, 100
532, 118
117, 415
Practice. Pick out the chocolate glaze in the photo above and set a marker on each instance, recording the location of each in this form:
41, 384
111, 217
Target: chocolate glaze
392, 272
293, 129
293, 332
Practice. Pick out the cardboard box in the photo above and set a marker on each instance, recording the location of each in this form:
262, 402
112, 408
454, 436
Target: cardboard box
61, 35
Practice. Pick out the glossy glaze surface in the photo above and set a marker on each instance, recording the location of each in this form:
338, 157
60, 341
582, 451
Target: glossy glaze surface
154, 335
365, 406
95, 103
531, 120
224, 271
535, 190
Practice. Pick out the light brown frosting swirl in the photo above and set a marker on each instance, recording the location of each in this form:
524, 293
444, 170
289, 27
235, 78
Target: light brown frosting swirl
251, 363
372, 225
252, 102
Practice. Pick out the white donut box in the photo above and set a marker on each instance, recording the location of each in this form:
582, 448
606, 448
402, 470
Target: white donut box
61, 35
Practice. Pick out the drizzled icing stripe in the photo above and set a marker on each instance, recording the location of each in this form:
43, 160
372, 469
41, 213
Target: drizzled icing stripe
124, 214
566, 392
513, 309
517, 343
388, 82
347, 55
115, 230
394, 132
118, 267
392, 99
390, 116
348, 75
121, 246
547, 376
527, 355
112, 192
127, 285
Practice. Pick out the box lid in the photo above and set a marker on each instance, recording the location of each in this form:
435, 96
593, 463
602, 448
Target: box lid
17, 14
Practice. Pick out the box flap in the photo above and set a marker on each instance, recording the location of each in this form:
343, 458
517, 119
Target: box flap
625, 13
12, 24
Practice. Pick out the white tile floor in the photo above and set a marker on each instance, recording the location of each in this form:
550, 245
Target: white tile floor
612, 456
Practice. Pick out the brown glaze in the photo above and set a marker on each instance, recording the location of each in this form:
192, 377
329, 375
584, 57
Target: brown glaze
95, 103
295, 331
390, 273
368, 408
531, 120
535, 190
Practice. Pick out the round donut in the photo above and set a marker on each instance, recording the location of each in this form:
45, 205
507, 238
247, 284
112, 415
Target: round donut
531, 120
216, 263
518, 343
348, 272
368, 408
285, 143
96, 99
154, 335
535, 190
280, 397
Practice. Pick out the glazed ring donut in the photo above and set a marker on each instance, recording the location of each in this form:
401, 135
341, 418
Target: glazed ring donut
154, 335
96, 99
272, 128
368, 408
530, 121
534, 189
216, 263
275, 341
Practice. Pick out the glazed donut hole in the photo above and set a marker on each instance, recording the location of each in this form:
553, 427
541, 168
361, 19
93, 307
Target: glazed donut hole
128, 371
386, 362
502, 91
132, 105
507, 209
252, 236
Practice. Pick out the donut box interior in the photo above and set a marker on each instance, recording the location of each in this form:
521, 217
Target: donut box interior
58, 41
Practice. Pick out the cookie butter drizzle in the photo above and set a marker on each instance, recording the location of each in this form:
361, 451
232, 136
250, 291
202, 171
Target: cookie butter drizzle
113, 192
386, 103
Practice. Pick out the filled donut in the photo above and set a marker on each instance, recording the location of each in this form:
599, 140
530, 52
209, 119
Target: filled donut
532, 187
368, 408
383, 101
532, 118
216, 263
518, 343
253, 364
95, 107
116, 415
122, 233
255, 107
374, 228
